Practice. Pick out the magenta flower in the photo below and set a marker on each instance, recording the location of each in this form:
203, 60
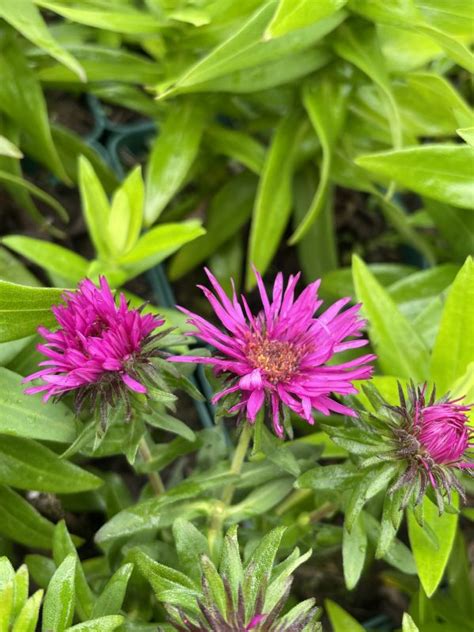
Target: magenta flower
100, 348
434, 437
279, 357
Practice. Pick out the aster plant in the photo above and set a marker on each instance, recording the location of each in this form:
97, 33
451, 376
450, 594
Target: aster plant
231, 595
281, 359
414, 449
110, 357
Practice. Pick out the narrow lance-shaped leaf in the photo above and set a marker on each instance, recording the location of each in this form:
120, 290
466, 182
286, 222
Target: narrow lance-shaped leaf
95, 207
430, 559
50, 256
172, 155
400, 349
325, 101
273, 202
294, 14
22, 523
358, 43
58, 608
27, 105
441, 172
23, 308
27, 464
454, 345
24, 16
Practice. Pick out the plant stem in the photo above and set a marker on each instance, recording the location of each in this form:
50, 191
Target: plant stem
154, 478
217, 520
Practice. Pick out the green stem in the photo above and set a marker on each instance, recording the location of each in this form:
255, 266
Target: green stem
217, 520
154, 478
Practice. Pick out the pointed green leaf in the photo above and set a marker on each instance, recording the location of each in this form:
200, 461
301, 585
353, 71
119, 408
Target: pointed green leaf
454, 345
29, 614
173, 152
341, 620
431, 560
59, 601
49, 256
27, 464
354, 549
110, 600
22, 523
400, 349
95, 207
273, 202
442, 172
295, 14
24, 16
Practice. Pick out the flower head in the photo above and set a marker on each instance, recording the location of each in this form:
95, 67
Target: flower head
434, 437
279, 356
100, 349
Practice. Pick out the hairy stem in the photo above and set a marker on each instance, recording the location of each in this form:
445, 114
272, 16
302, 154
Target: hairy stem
154, 478
217, 520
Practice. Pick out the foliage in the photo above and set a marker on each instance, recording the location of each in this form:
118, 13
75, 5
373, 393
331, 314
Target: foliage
334, 137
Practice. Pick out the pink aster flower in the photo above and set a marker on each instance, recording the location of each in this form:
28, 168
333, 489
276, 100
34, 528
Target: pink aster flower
99, 348
280, 356
434, 438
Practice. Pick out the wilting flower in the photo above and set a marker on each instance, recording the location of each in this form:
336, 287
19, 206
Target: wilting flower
279, 356
101, 350
434, 438
234, 596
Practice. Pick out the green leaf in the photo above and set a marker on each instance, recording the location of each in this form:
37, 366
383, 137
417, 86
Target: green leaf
231, 562
26, 18
49, 256
442, 172
267, 75
58, 609
70, 145
456, 225
102, 64
273, 202
325, 101
6, 605
354, 550
26, 186
230, 209
454, 49
7, 148
95, 207
467, 134
102, 624
28, 616
111, 598
27, 464
401, 351
26, 106
23, 308
431, 560
21, 584
259, 567
341, 620
237, 145
454, 345
327, 477
125, 21
151, 514
408, 625
133, 188
246, 48
358, 43
27, 416
166, 422
157, 244
62, 547
41, 568
172, 155
159, 576
295, 14
22, 523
